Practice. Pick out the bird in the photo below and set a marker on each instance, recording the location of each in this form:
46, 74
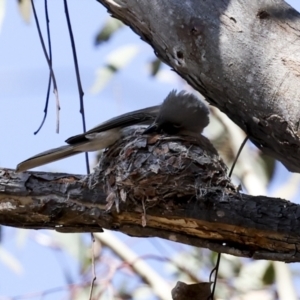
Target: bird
181, 113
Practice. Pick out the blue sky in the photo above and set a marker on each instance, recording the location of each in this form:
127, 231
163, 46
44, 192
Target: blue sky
23, 83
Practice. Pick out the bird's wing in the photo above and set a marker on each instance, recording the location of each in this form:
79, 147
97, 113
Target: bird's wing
97, 138
141, 116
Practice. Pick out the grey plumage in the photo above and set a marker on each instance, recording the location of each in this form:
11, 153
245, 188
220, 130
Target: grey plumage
180, 113
97, 138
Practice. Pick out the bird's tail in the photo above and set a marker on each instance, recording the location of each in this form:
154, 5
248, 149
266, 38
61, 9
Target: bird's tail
47, 157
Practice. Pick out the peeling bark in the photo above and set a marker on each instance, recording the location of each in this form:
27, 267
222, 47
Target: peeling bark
242, 56
157, 186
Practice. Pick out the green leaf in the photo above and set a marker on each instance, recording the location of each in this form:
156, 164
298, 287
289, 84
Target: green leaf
115, 61
103, 77
155, 66
110, 27
269, 275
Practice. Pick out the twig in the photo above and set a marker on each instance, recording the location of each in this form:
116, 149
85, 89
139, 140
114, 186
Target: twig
81, 103
55, 90
80, 90
237, 155
50, 58
93, 266
43, 293
148, 275
216, 268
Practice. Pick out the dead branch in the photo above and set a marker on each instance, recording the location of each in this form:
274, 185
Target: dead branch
175, 188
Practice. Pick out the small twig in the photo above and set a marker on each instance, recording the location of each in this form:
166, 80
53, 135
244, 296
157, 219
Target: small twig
50, 58
158, 284
81, 93
93, 266
237, 155
216, 268
162, 259
81, 103
42, 294
80, 90
55, 90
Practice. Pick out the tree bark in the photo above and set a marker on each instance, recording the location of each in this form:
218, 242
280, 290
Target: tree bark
242, 56
175, 188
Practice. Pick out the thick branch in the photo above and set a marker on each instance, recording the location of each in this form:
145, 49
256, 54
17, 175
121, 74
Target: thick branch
174, 188
243, 56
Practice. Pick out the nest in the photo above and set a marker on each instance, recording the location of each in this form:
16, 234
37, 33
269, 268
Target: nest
148, 169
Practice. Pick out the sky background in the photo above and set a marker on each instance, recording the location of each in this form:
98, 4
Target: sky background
23, 83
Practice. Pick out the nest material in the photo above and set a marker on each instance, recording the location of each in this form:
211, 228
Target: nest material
148, 169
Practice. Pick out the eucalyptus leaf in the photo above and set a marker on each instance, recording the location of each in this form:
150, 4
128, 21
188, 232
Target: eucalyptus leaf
269, 275
155, 66
25, 9
10, 261
110, 27
114, 62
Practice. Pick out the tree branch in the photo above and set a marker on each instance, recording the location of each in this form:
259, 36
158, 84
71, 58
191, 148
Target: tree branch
175, 188
242, 56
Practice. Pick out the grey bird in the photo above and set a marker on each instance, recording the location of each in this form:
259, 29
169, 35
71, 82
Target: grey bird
179, 114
